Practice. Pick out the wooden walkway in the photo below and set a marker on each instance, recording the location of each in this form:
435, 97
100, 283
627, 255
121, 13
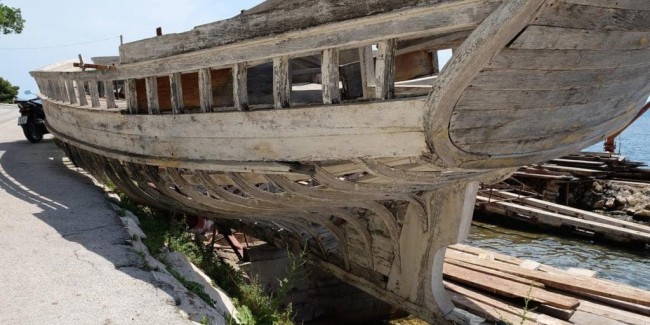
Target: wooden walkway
498, 287
541, 212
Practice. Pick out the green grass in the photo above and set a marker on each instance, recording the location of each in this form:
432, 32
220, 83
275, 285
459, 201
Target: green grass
165, 230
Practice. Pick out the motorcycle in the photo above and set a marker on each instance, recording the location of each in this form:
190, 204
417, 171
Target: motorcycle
32, 118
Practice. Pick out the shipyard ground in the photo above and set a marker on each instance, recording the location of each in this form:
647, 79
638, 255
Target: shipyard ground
63, 252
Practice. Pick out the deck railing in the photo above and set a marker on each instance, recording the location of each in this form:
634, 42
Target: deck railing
217, 79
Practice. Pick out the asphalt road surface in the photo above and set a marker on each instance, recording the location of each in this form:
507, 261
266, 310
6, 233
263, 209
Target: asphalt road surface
63, 254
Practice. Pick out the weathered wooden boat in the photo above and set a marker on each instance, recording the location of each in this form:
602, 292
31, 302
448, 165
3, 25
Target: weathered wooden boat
376, 170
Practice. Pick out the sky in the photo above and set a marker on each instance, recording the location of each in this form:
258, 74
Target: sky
60, 30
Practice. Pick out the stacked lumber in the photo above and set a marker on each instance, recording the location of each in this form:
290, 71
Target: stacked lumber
545, 213
498, 287
587, 164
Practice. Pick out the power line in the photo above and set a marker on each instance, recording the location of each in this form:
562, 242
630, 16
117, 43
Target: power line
59, 46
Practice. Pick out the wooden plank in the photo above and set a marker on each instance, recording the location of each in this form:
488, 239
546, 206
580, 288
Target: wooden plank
511, 126
385, 69
511, 122
496, 273
83, 101
594, 18
153, 105
330, 76
240, 86
176, 90
367, 63
330, 14
553, 79
384, 129
61, 93
498, 307
72, 96
508, 288
205, 90
435, 62
488, 310
479, 251
418, 21
618, 4
613, 313
131, 94
281, 82
569, 59
109, 89
500, 99
578, 213
94, 93
558, 38
571, 283
555, 219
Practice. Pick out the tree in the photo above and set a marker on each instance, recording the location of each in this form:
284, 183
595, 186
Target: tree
7, 91
11, 20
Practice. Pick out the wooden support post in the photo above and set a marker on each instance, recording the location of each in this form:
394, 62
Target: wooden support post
385, 69
60, 90
109, 90
57, 90
71, 94
435, 62
240, 86
330, 76
81, 90
94, 93
63, 91
49, 89
281, 82
176, 86
205, 89
131, 96
367, 62
153, 105
422, 252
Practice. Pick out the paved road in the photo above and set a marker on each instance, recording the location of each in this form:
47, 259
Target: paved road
63, 257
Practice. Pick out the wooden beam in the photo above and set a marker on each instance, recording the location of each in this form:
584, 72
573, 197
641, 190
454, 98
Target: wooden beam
131, 96
281, 82
57, 89
330, 76
435, 62
176, 85
153, 104
240, 86
71, 94
205, 89
81, 90
367, 62
109, 90
385, 69
94, 93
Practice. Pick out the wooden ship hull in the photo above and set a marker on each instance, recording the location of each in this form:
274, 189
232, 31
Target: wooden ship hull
375, 170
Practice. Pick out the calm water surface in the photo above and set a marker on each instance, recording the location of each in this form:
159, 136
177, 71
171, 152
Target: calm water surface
627, 266
621, 265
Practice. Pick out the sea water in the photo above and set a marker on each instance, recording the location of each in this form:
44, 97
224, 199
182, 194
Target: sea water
634, 142
631, 267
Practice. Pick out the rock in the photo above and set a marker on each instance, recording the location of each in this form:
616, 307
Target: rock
633, 200
598, 187
647, 207
620, 200
599, 205
630, 211
642, 215
610, 203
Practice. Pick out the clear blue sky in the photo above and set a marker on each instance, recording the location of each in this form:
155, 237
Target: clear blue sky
52, 24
